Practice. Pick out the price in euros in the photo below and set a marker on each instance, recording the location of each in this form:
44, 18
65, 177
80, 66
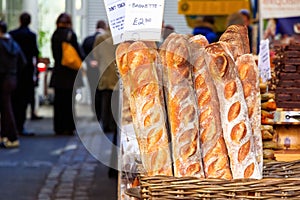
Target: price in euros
141, 21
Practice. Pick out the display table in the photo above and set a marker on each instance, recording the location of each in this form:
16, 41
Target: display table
287, 155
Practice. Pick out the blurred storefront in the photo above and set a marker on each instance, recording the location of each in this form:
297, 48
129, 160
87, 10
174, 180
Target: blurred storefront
85, 15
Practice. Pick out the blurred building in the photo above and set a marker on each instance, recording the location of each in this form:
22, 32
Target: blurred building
85, 14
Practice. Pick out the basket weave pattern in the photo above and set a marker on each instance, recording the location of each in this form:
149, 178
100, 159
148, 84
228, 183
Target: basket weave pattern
281, 181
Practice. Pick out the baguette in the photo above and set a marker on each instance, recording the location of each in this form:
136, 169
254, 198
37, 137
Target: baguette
213, 147
121, 60
236, 36
269, 105
234, 113
200, 40
148, 111
181, 108
266, 135
249, 75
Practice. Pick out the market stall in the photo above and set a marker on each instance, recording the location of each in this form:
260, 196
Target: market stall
196, 122
278, 24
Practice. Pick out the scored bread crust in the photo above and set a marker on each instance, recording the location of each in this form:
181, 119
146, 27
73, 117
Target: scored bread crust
249, 75
234, 113
181, 108
213, 147
200, 40
237, 38
122, 65
149, 111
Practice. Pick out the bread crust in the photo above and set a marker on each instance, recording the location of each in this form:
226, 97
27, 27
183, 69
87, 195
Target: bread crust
181, 108
147, 109
237, 38
213, 147
249, 75
123, 68
234, 114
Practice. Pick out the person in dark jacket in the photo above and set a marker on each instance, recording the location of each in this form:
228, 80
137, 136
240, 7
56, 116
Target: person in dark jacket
25, 91
206, 28
247, 22
104, 53
92, 70
63, 78
11, 61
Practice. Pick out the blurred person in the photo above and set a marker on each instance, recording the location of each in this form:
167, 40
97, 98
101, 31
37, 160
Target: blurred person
206, 28
240, 19
25, 92
285, 26
247, 22
167, 30
235, 18
12, 60
270, 30
104, 53
63, 78
91, 64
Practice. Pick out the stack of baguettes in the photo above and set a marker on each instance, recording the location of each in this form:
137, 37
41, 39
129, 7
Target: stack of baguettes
195, 106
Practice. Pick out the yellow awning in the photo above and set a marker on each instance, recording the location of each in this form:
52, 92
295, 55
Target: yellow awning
211, 7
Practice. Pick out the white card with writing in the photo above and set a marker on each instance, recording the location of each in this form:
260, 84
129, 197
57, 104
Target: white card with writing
143, 19
264, 65
115, 10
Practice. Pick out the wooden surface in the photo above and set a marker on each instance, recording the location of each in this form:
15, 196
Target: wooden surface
287, 155
288, 137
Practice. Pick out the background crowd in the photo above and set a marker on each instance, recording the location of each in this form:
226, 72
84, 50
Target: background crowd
19, 55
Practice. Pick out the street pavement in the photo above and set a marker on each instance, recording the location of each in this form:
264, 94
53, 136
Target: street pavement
50, 167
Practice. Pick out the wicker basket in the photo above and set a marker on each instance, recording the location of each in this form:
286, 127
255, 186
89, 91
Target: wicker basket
281, 181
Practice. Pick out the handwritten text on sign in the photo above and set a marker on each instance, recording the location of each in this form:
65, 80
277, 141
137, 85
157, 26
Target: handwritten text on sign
115, 10
143, 19
264, 65
279, 8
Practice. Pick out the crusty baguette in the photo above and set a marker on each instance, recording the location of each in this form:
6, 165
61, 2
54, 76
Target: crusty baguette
182, 109
213, 147
162, 54
234, 113
237, 38
121, 60
249, 75
200, 40
149, 111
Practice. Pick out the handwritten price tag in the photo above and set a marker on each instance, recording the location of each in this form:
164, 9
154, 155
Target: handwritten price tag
143, 20
264, 65
115, 10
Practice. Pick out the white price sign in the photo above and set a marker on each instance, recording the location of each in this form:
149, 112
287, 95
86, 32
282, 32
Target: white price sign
143, 19
264, 65
115, 10
279, 8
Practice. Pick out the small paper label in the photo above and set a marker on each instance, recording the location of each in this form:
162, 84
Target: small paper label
264, 65
143, 19
115, 10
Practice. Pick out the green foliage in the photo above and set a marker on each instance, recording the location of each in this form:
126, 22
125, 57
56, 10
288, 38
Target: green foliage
43, 38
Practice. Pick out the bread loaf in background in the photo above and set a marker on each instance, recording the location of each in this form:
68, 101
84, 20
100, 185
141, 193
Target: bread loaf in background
213, 147
121, 60
181, 108
236, 36
236, 125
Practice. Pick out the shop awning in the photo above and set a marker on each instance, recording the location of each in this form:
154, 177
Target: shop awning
211, 7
